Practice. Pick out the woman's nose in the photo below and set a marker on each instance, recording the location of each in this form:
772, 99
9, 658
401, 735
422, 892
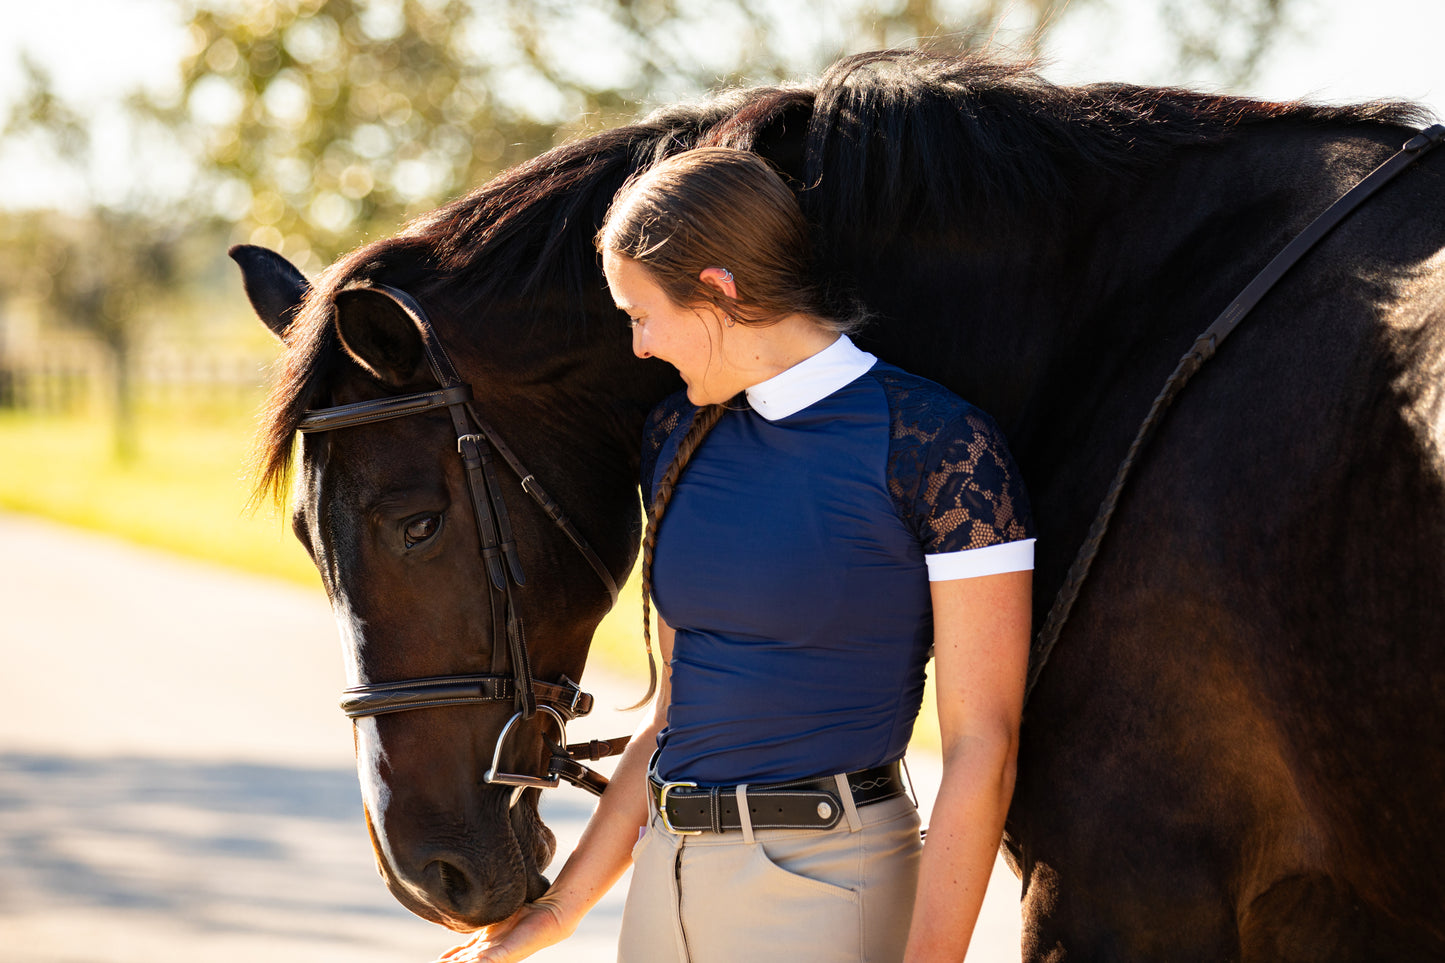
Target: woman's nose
638, 348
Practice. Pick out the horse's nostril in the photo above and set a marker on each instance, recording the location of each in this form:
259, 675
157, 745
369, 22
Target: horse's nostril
455, 886
467, 892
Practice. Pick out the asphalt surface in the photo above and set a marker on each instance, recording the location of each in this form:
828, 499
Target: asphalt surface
176, 782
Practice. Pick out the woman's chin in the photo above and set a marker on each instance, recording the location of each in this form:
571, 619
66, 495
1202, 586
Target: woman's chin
701, 396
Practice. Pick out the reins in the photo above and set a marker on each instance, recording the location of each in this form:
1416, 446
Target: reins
1202, 350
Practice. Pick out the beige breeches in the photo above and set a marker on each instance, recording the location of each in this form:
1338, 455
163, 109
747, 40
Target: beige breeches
777, 895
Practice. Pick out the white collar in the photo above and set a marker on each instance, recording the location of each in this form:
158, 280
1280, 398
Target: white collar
810, 380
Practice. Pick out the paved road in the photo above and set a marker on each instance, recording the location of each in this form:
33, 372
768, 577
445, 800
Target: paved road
176, 783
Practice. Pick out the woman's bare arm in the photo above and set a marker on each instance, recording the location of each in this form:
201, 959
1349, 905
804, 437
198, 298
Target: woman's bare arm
981, 648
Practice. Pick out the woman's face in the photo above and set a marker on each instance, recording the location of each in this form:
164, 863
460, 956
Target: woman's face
688, 338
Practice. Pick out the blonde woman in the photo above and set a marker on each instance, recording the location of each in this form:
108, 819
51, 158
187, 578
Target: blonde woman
820, 522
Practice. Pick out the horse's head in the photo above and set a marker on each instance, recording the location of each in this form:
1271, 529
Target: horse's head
401, 530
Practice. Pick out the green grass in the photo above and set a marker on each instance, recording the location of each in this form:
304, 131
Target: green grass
187, 490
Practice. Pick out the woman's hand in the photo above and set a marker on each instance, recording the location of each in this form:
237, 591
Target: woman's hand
601, 857
531, 928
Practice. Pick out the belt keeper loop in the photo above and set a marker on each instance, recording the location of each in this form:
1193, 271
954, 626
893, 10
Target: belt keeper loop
845, 795
715, 799
745, 815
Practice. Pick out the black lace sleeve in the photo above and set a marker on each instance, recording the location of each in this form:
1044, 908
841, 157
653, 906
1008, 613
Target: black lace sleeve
950, 473
670, 413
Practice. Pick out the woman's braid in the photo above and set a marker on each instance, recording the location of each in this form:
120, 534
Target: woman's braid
703, 421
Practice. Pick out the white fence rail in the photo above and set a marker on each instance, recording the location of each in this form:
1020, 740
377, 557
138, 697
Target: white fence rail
76, 378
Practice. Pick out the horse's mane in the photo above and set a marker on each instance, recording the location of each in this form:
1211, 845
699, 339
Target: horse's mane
896, 141
970, 146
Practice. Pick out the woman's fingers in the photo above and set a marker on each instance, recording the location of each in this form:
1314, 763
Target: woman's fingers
485, 938
456, 953
533, 927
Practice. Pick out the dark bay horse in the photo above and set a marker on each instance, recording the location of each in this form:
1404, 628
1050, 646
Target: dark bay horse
1237, 751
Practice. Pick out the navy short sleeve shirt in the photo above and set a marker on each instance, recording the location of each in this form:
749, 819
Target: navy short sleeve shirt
794, 560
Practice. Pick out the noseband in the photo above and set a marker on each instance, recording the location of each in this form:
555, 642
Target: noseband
556, 702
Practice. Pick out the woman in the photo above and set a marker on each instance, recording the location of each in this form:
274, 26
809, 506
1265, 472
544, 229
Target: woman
819, 522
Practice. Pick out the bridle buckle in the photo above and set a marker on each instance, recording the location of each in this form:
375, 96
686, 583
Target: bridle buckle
577, 694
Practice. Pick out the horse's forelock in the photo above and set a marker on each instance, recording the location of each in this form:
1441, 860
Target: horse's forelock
311, 347
311, 357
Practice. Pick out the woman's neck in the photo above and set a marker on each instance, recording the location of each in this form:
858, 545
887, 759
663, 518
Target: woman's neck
759, 352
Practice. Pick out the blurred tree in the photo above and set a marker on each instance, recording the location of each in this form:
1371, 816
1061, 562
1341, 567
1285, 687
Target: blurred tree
97, 272
326, 120
1229, 36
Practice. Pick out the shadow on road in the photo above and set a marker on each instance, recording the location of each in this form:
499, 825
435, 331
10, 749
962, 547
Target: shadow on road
271, 852
124, 859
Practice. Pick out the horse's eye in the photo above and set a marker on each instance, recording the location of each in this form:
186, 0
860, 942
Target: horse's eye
420, 529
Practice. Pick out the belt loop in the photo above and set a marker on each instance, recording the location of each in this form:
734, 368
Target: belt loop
845, 795
903, 765
745, 815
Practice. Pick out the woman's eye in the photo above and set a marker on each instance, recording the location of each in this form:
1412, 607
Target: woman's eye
420, 529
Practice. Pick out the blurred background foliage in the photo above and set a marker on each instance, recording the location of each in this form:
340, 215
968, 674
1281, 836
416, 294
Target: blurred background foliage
320, 121
309, 126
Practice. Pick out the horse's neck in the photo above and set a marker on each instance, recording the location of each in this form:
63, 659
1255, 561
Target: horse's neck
1066, 331
1101, 300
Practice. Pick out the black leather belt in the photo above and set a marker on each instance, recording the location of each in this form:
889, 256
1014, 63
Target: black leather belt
687, 808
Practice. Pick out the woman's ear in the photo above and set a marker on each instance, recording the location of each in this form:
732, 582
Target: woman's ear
720, 278
380, 336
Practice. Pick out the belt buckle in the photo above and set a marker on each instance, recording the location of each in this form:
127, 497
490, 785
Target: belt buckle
668, 787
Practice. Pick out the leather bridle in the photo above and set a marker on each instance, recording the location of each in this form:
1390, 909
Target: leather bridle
557, 702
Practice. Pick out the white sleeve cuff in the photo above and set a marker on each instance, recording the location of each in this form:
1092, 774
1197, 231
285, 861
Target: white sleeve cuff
989, 560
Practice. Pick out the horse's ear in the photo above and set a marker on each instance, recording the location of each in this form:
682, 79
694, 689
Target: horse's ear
380, 336
273, 285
